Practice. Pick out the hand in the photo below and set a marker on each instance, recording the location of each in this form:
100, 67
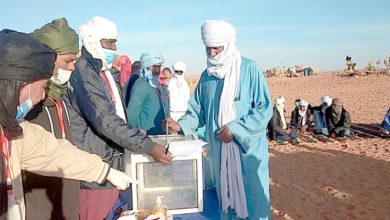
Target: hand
143, 131
225, 134
173, 126
288, 131
159, 155
120, 179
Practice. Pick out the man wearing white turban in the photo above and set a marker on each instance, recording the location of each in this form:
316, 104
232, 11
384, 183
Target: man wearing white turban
319, 115
97, 116
301, 117
278, 127
179, 91
232, 99
148, 104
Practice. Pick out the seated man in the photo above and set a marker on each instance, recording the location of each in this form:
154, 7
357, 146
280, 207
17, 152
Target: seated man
278, 129
338, 120
319, 115
385, 129
302, 118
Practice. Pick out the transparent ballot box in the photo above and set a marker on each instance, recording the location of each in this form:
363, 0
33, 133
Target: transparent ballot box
180, 183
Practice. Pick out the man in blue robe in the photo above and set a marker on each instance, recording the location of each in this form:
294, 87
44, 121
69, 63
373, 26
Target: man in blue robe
232, 100
148, 104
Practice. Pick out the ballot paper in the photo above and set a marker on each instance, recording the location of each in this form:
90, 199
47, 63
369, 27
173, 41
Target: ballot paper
185, 148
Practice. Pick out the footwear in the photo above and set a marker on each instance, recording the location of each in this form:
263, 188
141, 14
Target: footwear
383, 131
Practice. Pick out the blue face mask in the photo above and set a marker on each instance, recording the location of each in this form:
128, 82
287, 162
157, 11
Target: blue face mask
24, 108
109, 55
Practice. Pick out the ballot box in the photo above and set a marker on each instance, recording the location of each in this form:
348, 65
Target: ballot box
180, 183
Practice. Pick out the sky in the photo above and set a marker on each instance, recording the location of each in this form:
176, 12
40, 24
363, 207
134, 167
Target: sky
274, 33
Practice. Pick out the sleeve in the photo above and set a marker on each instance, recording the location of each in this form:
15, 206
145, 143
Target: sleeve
255, 122
293, 121
329, 122
43, 154
274, 122
194, 116
346, 122
137, 95
96, 107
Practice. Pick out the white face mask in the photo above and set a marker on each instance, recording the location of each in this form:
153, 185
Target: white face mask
62, 76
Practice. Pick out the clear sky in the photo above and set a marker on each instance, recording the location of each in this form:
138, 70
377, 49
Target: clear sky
273, 33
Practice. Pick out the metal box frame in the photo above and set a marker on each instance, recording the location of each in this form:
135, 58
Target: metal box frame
138, 159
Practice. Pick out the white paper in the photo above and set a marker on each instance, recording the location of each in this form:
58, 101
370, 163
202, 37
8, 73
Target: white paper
185, 148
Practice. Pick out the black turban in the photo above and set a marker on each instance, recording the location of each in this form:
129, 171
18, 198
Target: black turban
22, 59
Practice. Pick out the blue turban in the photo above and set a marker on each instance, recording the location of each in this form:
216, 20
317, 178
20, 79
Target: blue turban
148, 59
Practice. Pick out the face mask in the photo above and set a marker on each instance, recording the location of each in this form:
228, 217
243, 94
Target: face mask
109, 55
62, 76
25, 107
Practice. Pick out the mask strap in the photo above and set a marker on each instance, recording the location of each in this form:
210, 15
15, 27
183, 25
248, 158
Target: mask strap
29, 91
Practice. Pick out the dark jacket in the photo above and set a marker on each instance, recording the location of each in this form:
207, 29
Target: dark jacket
333, 124
296, 119
275, 125
50, 197
94, 124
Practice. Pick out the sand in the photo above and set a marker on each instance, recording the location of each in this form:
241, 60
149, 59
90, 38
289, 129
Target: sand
337, 180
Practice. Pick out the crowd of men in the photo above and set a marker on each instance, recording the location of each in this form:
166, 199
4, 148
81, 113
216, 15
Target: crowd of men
67, 114
329, 118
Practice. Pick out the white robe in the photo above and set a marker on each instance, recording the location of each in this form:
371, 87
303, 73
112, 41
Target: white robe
179, 95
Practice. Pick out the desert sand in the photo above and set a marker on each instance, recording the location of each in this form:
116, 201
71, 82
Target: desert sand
336, 180
339, 180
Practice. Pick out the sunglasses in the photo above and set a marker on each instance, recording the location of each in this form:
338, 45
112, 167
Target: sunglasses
156, 66
178, 71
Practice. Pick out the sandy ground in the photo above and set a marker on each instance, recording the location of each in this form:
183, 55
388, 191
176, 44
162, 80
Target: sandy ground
337, 180
340, 180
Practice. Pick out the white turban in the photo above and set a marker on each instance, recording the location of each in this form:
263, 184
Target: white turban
93, 31
327, 100
180, 66
226, 65
217, 33
279, 103
280, 100
303, 103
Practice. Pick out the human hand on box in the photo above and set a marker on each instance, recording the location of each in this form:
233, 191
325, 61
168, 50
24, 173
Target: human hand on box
160, 156
143, 131
171, 124
120, 179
